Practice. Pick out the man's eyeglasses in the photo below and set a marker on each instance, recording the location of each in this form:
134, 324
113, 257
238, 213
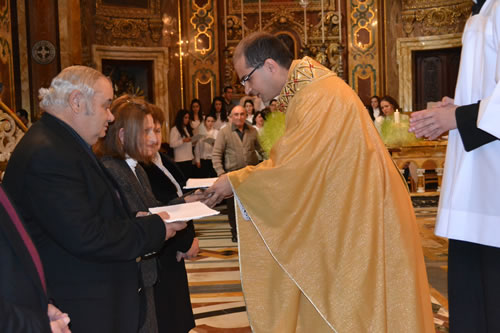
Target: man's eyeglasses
247, 77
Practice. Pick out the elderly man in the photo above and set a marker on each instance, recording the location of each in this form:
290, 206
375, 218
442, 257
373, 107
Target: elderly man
326, 225
236, 147
469, 213
88, 244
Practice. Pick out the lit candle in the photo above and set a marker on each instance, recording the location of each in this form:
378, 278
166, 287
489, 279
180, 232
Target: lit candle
242, 25
396, 116
340, 23
225, 23
322, 23
260, 16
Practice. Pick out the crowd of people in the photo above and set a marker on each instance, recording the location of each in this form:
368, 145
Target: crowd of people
80, 248
194, 134
107, 261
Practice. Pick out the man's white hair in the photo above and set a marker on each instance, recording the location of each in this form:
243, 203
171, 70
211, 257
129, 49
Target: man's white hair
72, 78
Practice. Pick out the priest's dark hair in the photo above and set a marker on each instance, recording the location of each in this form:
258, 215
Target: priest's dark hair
260, 46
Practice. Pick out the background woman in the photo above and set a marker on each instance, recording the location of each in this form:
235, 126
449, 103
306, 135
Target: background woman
249, 107
174, 311
374, 107
203, 150
130, 139
196, 116
388, 105
180, 141
218, 111
258, 120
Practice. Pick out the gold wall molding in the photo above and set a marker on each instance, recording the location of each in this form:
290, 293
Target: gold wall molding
421, 4
405, 48
7, 55
126, 31
363, 48
104, 8
202, 59
10, 134
123, 25
270, 7
23, 57
159, 56
434, 17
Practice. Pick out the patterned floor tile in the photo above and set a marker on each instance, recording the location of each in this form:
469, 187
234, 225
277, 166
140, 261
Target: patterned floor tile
214, 277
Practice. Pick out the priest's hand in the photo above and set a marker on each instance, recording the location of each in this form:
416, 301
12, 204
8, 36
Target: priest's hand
433, 122
198, 195
219, 191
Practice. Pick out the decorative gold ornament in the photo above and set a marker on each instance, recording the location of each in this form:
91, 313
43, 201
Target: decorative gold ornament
434, 17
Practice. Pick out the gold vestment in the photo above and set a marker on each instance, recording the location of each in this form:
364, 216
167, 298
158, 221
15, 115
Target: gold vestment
332, 244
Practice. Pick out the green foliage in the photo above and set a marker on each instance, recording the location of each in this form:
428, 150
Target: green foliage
397, 134
274, 128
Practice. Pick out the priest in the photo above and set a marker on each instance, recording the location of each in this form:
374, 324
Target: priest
328, 238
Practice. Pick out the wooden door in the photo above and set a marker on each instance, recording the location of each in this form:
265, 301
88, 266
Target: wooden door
435, 75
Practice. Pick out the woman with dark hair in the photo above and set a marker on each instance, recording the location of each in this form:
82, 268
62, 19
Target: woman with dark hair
250, 108
130, 139
258, 119
196, 115
388, 105
374, 107
173, 304
180, 141
218, 111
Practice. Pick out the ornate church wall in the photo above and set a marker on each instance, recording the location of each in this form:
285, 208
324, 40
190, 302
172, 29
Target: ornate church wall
414, 25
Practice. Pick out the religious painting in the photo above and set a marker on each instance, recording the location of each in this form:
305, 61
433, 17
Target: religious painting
133, 77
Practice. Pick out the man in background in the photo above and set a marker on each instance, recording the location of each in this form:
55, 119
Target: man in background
236, 147
228, 99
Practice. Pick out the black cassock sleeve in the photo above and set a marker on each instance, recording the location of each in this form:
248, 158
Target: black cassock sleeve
472, 136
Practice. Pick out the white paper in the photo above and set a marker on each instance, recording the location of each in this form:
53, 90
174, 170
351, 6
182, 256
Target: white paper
199, 182
185, 211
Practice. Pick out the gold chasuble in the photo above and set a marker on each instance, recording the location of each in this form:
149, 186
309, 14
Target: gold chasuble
332, 244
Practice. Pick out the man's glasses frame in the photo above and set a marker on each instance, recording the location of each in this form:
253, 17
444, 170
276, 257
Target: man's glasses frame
247, 77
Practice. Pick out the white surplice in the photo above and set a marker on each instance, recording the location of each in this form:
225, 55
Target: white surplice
469, 208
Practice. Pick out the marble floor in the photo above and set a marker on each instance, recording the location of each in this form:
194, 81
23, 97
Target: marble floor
214, 277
